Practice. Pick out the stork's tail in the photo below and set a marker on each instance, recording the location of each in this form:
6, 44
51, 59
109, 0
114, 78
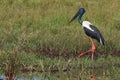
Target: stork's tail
102, 41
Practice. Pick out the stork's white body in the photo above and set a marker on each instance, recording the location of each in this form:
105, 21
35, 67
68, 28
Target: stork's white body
87, 25
92, 31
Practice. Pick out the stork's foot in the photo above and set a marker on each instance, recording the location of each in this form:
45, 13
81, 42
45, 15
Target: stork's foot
84, 53
92, 50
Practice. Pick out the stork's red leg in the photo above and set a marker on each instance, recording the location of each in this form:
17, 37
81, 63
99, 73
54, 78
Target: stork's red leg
92, 77
82, 54
91, 50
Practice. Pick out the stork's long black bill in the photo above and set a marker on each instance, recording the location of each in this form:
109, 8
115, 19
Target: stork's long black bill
75, 16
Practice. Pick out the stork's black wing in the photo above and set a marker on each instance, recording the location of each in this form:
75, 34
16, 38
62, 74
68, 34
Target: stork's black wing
95, 34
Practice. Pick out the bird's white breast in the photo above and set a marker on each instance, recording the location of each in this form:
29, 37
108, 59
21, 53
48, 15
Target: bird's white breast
87, 24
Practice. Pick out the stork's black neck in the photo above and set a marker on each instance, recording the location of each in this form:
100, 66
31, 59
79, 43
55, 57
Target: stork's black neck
80, 19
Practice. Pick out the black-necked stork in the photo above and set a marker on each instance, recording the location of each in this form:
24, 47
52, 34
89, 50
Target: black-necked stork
90, 31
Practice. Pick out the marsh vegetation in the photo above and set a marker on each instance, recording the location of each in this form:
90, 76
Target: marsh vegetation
35, 38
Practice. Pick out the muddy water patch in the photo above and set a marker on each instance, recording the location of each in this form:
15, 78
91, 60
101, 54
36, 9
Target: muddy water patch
2, 77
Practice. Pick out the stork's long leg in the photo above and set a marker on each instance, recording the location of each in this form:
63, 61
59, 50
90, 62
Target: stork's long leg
91, 50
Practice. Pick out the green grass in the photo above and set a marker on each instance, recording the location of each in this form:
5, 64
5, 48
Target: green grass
31, 29
45, 24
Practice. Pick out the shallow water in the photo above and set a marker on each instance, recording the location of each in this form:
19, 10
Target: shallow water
2, 77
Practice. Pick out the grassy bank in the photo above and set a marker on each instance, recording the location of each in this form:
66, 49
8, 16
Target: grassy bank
44, 24
33, 28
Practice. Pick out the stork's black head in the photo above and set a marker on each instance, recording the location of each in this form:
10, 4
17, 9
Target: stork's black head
80, 12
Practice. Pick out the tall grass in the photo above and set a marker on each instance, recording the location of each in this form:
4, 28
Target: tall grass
45, 24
